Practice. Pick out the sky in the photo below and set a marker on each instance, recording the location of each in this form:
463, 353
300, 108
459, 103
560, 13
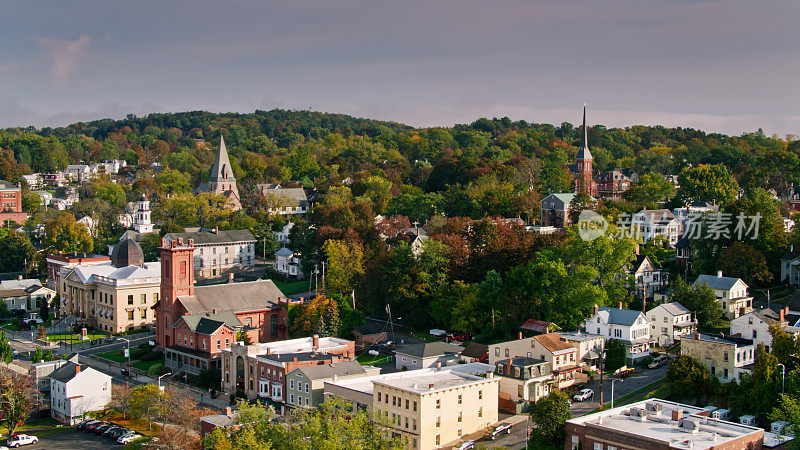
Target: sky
728, 66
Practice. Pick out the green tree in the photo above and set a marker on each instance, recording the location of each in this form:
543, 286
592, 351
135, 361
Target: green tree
788, 409
64, 235
707, 183
785, 345
651, 189
687, 378
145, 402
549, 416
701, 300
173, 181
345, 266
582, 201
6, 351
17, 254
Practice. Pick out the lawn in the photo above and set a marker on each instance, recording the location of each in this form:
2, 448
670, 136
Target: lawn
39, 427
114, 355
291, 287
75, 337
11, 326
365, 359
146, 365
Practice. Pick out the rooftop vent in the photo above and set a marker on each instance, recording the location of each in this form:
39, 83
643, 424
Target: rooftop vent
688, 426
654, 407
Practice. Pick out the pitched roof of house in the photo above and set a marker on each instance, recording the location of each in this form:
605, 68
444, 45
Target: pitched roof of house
429, 349
535, 325
284, 252
342, 368
6, 185
717, 282
210, 237
293, 196
658, 215
369, 328
209, 322
236, 297
674, 308
553, 342
619, 316
67, 371
475, 350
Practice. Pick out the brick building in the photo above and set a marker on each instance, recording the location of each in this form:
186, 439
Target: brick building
659, 425
11, 203
255, 304
726, 357
259, 370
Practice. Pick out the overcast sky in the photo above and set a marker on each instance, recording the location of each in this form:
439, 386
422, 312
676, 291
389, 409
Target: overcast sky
728, 65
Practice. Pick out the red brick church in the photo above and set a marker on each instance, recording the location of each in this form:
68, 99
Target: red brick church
193, 323
584, 179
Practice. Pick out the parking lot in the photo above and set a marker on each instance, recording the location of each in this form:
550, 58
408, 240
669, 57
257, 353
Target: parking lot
71, 440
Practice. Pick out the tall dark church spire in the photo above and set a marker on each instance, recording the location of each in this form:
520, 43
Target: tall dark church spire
584, 152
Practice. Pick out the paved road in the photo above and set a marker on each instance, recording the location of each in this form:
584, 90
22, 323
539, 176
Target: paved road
627, 385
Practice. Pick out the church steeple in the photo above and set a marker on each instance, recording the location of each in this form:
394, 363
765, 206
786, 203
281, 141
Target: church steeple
584, 152
221, 170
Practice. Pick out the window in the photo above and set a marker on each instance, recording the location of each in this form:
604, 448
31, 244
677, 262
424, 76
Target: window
218, 344
379, 396
598, 446
130, 315
480, 397
414, 424
227, 343
394, 401
459, 400
130, 299
725, 373
155, 296
438, 440
497, 351
291, 384
506, 353
459, 416
438, 403
713, 370
406, 422
144, 298
291, 398
144, 314
306, 388
406, 403
415, 406
204, 344
480, 411
438, 421
725, 356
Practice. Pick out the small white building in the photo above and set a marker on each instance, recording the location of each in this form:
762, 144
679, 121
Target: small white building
755, 325
693, 210
283, 236
77, 389
218, 252
79, 173
288, 264
283, 201
670, 321
651, 223
630, 327
731, 292
34, 180
27, 294
647, 278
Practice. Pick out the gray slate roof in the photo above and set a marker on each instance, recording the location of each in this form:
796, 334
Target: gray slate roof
429, 349
293, 197
209, 322
236, 297
715, 282
284, 252
220, 237
6, 185
342, 368
67, 371
619, 316
675, 308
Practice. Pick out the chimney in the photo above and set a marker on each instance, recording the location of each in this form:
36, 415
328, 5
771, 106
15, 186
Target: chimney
228, 410
77, 369
677, 414
315, 340
438, 366
520, 335
508, 366
19, 277
697, 336
294, 358
230, 277
620, 305
595, 308
782, 314
430, 386
214, 311
719, 274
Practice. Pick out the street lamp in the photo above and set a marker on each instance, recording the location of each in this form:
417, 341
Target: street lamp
129, 348
162, 376
612, 390
783, 376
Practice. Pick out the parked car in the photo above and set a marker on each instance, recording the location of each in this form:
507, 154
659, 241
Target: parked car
465, 445
110, 431
128, 438
496, 430
85, 423
626, 372
93, 426
119, 432
435, 332
21, 439
583, 395
658, 361
102, 428
461, 337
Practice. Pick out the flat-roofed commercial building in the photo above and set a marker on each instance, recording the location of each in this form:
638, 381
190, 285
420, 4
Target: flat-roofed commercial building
659, 425
429, 408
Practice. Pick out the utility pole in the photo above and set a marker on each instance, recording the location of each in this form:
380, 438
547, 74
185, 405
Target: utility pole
602, 365
391, 324
323, 277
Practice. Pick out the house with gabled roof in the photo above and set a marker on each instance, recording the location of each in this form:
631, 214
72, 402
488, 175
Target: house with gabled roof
731, 293
558, 352
755, 325
651, 223
77, 389
288, 264
200, 338
647, 277
283, 201
555, 209
219, 252
670, 321
630, 327
425, 355
306, 384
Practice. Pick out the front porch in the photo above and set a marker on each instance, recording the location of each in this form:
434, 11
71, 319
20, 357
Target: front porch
192, 361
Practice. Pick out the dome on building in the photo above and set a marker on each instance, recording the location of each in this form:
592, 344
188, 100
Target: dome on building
127, 253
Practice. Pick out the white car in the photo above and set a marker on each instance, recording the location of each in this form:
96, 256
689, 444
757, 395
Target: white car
21, 439
583, 395
128, 438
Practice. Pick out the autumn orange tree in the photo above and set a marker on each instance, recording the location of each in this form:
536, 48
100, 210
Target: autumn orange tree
318, 315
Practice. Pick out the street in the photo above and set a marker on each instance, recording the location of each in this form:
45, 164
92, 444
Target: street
623, 387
